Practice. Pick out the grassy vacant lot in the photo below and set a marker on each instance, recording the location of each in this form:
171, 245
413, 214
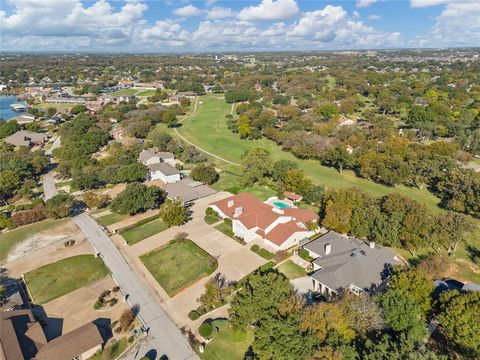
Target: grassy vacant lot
110, 219
228, 344
138, 233
291, 270
51, 281
207, 128
10, 239
178, 265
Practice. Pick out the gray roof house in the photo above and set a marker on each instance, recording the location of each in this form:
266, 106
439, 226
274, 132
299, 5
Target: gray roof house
342, 263
149, 157
163, 171
187, 190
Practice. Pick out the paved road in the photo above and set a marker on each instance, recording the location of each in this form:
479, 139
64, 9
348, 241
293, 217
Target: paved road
163, 332
49, 189
56, 144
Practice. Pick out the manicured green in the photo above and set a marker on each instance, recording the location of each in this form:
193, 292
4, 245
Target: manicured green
112, 218
146, 93
138, 233
207, 128
209, 219
123, 92
51, 281
228, 344
291, 270
178, 265
9, 239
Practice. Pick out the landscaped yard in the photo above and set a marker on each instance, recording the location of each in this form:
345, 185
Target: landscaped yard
138, 233
207, 128
228, 344
112, 351
110, 219
51, 281
291, 270
10, 239
178, 265
227, 230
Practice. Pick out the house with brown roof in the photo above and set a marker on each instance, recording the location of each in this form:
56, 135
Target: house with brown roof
26, 138
280, 228
22, 337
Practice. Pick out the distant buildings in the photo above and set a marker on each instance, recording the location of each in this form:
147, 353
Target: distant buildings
343, 263
280, 228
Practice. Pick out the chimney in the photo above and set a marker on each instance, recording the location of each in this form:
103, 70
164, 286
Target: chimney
372, 244
328, 248
230, 203
238, 211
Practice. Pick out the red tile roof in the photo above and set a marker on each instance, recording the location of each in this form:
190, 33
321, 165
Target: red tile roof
258, 214
292, 196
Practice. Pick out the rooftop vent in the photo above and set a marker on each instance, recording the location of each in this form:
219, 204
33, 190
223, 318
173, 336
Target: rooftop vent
238, 211
328, 248
230, 203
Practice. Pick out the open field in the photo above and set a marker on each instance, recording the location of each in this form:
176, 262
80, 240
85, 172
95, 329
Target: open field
111, 219
138, 233
207, 128
51, 281
123, 92
146, 93
228, 344
10, 239
291, 270
178, 264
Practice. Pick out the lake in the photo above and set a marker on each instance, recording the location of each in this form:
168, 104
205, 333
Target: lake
6, 113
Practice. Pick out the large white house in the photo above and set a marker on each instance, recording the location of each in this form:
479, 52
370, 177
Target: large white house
165, 172
253, 219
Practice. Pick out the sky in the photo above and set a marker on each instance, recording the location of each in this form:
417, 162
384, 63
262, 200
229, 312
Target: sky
256, 25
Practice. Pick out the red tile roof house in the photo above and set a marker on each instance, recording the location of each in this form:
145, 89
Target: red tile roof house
253, 219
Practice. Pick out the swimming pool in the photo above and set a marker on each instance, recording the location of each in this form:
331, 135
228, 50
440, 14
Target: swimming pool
281, 205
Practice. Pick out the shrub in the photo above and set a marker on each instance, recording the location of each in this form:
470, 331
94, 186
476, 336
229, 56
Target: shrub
255, 248
126, 319
193, 315
227, 221
25, 217
201, 310
181, 236
98, 305
205, 330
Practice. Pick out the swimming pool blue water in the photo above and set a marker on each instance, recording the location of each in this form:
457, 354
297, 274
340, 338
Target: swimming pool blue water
281, 205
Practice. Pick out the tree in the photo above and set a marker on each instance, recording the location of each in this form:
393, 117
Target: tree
137, 198
328, 111
281, 167
59, 206
77, 109
94, 200
256, 165
173, 212
5, 221
244, 126
403, 314
9, 180
259, 298
170, 117
217, 289
205, 173
459, 319
365, 312
415, 284
8, 128
324, 318
295, 181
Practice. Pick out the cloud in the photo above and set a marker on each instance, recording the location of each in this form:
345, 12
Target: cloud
374, 17
365, 3
424, 3
187, 11
218, 12
270, 10
457, 25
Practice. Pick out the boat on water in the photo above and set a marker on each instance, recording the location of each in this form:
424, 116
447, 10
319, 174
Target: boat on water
18, 107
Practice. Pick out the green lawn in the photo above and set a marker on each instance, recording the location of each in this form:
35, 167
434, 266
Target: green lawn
178, 265
291, 270
228, 344
10, 239
123, 92
207, 128
112, 351
138, 233
110, 219
210, 220
146, 93
51, 281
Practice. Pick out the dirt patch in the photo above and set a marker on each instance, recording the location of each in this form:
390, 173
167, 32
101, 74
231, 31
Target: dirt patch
114, 191
65, 231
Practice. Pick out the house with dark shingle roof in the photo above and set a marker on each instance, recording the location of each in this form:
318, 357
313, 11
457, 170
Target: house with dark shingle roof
26, 138
342, 263
280, 228
22, 337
